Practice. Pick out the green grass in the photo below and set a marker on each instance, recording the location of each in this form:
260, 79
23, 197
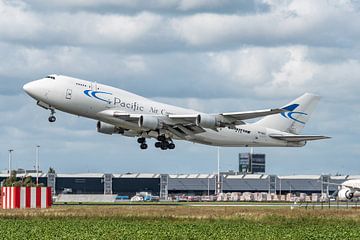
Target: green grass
124, 228
181, 222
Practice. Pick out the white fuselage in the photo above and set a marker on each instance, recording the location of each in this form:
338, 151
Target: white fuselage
69, 95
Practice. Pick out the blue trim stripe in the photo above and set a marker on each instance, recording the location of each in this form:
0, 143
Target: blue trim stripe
87, 93
289, 114
93, 94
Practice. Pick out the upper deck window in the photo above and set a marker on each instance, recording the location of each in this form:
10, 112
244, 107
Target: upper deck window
51, 77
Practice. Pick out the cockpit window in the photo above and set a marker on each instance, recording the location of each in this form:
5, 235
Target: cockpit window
51, 77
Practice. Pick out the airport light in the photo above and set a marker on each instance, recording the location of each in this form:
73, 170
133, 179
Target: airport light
218, 185
37, 164
10, 159
208, 189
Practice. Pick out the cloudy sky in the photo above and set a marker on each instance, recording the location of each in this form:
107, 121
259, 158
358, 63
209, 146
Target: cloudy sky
210, 55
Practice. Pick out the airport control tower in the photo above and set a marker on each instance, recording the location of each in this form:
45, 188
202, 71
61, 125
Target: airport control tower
251, 163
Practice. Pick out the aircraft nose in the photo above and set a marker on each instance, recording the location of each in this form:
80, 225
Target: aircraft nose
29, 88
35, 89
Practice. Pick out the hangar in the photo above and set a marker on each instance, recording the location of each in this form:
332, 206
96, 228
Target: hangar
128, 184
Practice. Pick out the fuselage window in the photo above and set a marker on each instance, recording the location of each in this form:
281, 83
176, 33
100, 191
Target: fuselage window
80, 84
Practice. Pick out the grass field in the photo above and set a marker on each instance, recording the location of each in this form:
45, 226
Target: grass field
179, 222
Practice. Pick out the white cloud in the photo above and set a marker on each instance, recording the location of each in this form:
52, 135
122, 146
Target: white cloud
122, 29
136, 64
166, 6
190, 4
248, 66
295, 22
298, 72
102, 30
284, 72
16, 22
207, 55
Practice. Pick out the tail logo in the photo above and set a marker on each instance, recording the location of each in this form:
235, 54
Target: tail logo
290, 112
93, 94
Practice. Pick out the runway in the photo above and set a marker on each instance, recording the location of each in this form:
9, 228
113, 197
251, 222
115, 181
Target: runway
332, 205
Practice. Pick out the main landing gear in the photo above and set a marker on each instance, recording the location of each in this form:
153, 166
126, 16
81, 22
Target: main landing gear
142, 142
52, 118
164, 144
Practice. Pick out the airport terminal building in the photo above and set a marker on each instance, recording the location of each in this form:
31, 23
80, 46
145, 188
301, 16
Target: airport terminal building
163, 185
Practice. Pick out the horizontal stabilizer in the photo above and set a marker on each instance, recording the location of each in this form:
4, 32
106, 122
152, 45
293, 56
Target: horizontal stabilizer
298, 138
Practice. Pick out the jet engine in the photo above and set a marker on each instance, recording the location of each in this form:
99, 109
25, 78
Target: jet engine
345, 194
108, 128
149, 122
206, 121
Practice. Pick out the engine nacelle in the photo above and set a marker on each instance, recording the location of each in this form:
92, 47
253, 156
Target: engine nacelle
206, 121
108, 128
345, 194
149, 122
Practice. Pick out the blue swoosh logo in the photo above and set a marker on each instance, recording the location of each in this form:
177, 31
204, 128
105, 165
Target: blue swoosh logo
290, 113
93, 94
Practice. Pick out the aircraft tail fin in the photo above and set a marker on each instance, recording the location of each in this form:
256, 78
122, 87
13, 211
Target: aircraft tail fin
297, 113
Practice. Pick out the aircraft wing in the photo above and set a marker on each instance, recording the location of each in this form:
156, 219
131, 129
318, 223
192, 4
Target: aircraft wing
184, 118
186, 126
226, 119
120, 115
299, 138
240, 116
182, 126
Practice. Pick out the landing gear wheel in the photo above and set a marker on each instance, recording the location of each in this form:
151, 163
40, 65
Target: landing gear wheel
158, 144
143, 146
164, 145
171, 146
52, 119
161, 138
141, 140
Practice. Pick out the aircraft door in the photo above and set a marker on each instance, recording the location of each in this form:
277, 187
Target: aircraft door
107, 98
260, 137
68, 94
94, 86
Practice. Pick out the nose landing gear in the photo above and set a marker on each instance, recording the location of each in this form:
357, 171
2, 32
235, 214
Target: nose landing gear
52, 118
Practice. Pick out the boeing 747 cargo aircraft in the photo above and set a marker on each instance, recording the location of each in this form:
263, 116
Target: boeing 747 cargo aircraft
120, 112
